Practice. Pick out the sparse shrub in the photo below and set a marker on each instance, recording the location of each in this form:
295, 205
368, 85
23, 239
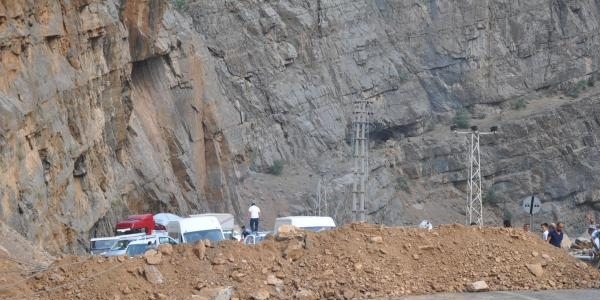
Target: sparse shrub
277, 167
402, 184
519, 104
574, 91
489, 196
461, 119
179, 4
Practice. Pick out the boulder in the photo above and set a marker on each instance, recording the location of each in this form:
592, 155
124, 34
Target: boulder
260, 294
199, 249
294, 251
273, 280
214, 293
153, 275
153, 257
477, 286
535, 269
305, 294
165, 249
288, 232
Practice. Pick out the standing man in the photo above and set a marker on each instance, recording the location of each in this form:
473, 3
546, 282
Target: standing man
595, 237
555, 236
254, 215
544, 231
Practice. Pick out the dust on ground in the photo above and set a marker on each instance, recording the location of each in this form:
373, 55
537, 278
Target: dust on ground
355, 261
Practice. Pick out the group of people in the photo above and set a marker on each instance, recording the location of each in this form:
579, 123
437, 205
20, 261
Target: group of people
553, 233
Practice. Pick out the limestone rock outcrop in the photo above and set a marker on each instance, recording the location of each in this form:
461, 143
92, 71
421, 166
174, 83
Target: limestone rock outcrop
129, 106
104, 112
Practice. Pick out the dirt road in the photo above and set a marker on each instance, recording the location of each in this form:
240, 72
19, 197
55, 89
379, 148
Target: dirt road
584, 294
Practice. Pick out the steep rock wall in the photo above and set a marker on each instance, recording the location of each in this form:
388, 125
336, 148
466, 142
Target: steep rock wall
294, 69
116, 107
104, 112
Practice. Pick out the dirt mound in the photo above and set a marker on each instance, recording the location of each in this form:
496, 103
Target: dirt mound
354, 261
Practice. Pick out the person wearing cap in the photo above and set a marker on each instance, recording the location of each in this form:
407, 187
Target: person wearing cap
254, 215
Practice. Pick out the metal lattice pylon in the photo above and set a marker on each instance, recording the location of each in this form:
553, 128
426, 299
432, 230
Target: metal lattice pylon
474, 203
474, 207
360, 155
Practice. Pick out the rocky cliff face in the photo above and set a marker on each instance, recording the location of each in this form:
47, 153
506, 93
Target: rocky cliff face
294, 69
104, 112
116, 107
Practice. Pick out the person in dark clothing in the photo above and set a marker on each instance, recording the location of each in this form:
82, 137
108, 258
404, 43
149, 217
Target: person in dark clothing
555, 236
245, 232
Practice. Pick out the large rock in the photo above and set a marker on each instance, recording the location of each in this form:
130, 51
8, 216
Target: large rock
477, 286
153, 275
535, 269
294, 250
289, 232
260, 294
214, 293
153, 257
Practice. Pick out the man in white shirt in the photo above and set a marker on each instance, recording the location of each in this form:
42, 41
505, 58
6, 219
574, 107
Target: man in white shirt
544, 231
254, 215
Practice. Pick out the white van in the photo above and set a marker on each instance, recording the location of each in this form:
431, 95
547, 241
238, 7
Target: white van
312, 223
190, 230
230, 229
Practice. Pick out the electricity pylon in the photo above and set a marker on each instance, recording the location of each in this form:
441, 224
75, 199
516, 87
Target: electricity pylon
360, 155
474, 208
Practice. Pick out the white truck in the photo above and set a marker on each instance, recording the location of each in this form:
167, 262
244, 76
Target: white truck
312, 223
231, 231
190, 230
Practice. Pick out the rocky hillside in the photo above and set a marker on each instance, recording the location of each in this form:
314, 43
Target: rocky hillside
116, 107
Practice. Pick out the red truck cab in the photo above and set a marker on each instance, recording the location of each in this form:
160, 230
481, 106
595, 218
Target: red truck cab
136, 224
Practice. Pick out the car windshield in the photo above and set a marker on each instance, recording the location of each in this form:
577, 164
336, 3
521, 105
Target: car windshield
137, 249
120, 245
103, 244
213, 235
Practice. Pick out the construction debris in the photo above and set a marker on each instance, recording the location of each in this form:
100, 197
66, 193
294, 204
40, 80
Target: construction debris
353, 261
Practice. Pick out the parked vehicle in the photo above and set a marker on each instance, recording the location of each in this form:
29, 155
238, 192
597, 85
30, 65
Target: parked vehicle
139, 247
190, 230
103, 244
313, 223
255, 238
122, 247
136, 224
163, 219
231, 231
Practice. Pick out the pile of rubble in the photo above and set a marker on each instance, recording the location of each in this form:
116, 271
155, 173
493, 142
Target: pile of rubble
354, 261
